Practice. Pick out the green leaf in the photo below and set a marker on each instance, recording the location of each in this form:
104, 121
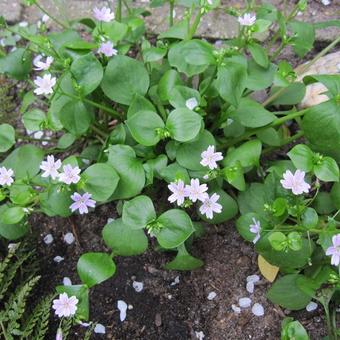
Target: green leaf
292, 94
129, 169
75, 117
294, 241
88, 72
138, 212
184, 261
323, 203
175, 172
123, 78
123, 240
139, 103
176, 228
169, 80
234, 176
24, 161
18, 64
331, 81
324, 138
231, 82
7, 137
188, 154
293, 330
252, 114
286, 293
178, 31
12, 231
66, 140
100, 180
180, 94
259, 54
34, 119
94, 268
327, 170
302, 157
11, 215
115, 30
183, 124
335, 195
260, 78
21, 194
309, 218
270, 137
152, 54
278, 240
303, 40
143, 126
243, 225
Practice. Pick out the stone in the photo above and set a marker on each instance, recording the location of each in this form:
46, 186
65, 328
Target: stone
11, 10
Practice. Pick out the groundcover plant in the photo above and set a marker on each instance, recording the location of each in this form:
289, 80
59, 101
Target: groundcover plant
176, 116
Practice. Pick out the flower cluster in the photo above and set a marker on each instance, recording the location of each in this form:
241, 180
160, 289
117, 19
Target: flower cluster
196, 191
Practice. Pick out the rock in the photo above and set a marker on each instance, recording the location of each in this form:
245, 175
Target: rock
11, 10
158, 320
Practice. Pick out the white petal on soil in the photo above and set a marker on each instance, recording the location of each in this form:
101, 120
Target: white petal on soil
38, 134
69, 238
199, 335
176, 281
48, 239
253, 278
99, 329
211, 296
122, 306
137, 286
326, 2
311, 306
67, 281
109, 220
236, 309
244, 302
258, 309
58, 259
250, 287
84, 324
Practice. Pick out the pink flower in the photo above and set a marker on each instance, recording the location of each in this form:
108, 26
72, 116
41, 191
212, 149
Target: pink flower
255, 229
65, 306
103, 14
81, 202
191, 103
41, 65
6, 176
195, 191
70, 175
295, 182
210, 157
107, 49
334, 250
210, 206
247, 19
44, 84
179, 191
50, 167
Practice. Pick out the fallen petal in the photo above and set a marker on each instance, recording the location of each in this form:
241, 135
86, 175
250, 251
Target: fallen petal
236, 309
48, 239
69, 238
250, 287
67, 281
199, 335
211, 296
244, 302
99, 329
311, 306
258, 309
253, 278
138, 286
122, 306
176, 281
58, 259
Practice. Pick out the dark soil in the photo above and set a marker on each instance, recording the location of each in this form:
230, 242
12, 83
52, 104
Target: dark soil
162, 310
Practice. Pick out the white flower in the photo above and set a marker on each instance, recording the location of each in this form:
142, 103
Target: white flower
244, 302
210, 206
82, 202
44, 84
247, 20
197, 191
255, 228
107, 49
179, 191
295, 182
65, 306
122, 306
257, 309
42, 65
191, 103
211, 296
210, 157
70, 174
103, 14
6, 176
45, 18
50, 167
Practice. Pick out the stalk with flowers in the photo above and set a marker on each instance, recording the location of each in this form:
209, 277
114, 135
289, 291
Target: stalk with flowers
180, 115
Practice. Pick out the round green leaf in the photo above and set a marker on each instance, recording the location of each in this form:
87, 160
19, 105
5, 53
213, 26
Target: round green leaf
33, 119
94, 268
184, 261
143, 127
188, 155
88, 72
100, 180
327, 170
7, 137
180, 94
123, 78
21, 194
18, 64
129, 169
12, 231
123, 240
25, 161
66, 140
138, 212
302, 157
183, 124
11, 215
176, 228
168, 81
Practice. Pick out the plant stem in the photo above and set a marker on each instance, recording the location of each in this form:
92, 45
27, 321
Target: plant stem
98, 131
118, 11
285, 142
51, 16
3, 330
195, 24
171, 12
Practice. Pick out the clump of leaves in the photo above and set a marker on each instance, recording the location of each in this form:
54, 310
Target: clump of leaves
18, 279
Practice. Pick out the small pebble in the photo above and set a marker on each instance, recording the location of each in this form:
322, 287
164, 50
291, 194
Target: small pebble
244, 302
69, 238
122, 306
211, 296
130, 307
158, 320
176, 281
199, 335
258, 309
138, 286
99, 329
58, 259
253, 278
236, 309
311, 306
48, 239
67, 281
250, 287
